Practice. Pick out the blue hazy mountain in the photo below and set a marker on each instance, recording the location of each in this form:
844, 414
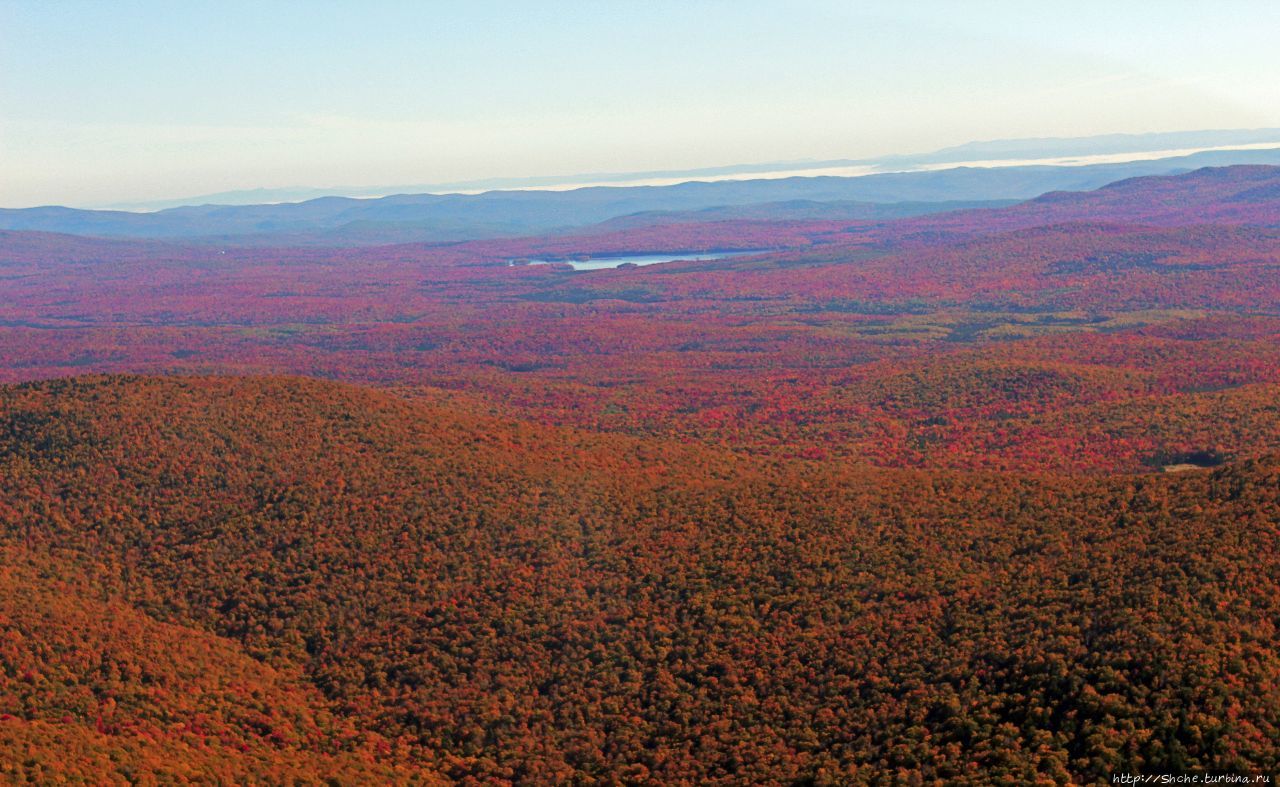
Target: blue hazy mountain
451, 217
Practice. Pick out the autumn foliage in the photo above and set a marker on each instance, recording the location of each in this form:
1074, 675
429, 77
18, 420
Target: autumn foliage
409, 585
880, 501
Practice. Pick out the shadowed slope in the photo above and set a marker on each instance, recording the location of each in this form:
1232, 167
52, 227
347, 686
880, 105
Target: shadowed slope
93, 689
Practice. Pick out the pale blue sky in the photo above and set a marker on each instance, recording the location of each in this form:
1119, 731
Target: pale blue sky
118, 101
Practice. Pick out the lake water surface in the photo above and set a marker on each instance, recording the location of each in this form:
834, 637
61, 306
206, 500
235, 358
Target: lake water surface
601, 263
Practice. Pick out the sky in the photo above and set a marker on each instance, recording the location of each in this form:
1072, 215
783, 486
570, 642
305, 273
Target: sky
137, 100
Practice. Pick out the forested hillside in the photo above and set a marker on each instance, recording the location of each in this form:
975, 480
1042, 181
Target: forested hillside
288, 577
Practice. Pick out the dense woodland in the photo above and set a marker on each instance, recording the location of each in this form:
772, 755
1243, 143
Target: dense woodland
493, 600
882, 502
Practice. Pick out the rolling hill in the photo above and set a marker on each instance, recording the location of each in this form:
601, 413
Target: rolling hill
498, 601
1211, 195
980, 496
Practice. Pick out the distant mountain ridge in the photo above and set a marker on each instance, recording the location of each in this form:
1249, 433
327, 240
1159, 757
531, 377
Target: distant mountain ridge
1032, 151
1050, 147
342, 221
1245, 195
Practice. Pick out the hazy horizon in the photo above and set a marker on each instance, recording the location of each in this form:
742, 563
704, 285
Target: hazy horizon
143, 101
741, 172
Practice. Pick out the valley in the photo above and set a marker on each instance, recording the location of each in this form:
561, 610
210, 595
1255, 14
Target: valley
977, 496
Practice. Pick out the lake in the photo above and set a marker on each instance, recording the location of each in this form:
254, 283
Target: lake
604, 262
